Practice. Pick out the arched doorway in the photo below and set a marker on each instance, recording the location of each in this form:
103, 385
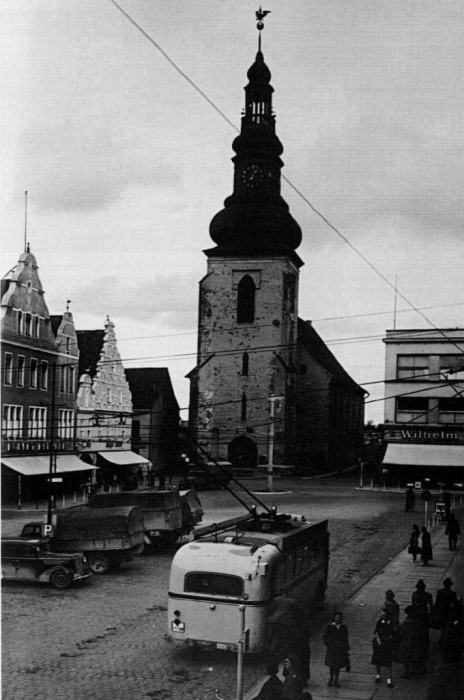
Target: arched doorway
242, 452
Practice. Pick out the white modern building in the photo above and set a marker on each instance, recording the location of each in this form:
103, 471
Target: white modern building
424, 404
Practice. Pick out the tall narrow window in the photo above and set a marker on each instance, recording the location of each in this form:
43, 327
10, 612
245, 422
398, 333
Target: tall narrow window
63, 375
8, 369
20, 322
36, 325
245, 362
215, 442
246, 294
27, 324
244, 407
44, 374
21, 366
34, 368
72, 380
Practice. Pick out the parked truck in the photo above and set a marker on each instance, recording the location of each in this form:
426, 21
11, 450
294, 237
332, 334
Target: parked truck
107, 536
165, 515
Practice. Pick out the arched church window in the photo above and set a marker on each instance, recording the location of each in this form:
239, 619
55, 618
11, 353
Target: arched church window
246, 293
244, 407
245, 363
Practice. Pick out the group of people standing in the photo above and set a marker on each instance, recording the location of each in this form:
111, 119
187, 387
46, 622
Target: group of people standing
420, 544
409, 642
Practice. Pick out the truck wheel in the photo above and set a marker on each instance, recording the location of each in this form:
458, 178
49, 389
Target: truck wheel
60, 579
98, 562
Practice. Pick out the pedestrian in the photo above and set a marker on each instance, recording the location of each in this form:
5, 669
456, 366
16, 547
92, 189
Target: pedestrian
410, 500
446, 602
422, 602
426, 554
293, 684
337, 653
453, 637
409, 637
273, 688
453, 529
414, 548
393, 611
382, 647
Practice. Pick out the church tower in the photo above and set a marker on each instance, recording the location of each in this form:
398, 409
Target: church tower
248, 307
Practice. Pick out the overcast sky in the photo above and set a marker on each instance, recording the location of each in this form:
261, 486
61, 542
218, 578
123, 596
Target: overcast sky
125, 163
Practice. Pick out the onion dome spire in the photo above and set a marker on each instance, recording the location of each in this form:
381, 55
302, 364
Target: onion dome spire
256, 219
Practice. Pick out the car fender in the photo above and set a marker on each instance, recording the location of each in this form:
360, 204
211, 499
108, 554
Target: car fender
46, 575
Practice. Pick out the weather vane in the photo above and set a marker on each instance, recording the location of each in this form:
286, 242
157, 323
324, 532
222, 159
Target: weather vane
260, 15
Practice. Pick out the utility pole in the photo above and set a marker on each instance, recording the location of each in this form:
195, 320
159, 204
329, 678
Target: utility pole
270, 467
52, 462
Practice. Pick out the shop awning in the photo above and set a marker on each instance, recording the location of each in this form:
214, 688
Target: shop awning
40, 464
124, 458
424, 455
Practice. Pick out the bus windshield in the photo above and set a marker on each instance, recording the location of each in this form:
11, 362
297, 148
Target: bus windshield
214, 584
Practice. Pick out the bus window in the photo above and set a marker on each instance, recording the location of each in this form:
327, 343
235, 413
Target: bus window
299, 554
306, 558
214, 584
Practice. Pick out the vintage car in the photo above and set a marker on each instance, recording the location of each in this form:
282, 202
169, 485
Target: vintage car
32, 560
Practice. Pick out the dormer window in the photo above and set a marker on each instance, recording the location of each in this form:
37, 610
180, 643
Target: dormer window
20, 322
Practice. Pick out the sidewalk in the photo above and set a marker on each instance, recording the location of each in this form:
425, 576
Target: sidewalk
361, 614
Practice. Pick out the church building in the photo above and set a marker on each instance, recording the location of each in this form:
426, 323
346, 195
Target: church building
265, 386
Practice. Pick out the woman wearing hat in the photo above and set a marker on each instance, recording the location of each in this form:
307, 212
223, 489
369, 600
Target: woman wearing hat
422, 602
426, 554
393, 614
382, 647
337, 653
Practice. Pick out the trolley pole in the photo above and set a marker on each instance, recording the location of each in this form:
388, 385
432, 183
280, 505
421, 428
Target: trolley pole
241, 645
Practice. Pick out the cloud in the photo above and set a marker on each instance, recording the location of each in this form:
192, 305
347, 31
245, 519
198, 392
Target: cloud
167, 300
76, 167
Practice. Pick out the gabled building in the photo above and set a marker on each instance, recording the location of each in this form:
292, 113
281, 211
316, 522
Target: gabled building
104, 407
155, 421
39, 387
265, 385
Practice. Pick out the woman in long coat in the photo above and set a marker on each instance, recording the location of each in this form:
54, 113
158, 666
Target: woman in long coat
426, 555
337, 653
382, 647
409, 648
414, 542
422, 602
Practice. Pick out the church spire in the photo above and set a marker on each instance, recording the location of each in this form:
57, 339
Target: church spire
256, 219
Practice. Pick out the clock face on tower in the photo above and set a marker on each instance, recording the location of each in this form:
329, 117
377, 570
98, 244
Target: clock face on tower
252, 176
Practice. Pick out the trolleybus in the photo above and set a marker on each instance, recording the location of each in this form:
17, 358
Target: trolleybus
237, 569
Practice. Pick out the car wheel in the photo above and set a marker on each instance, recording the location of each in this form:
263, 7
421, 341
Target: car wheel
60, 579
98, 563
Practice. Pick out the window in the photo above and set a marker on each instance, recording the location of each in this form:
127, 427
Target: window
44, 374
37, 422
412, 410
21, 370
246, 293
8, 369
451, 410
20, 322
244, 408
36, 326
27, 324
245, 363
215, 442
108, 395
34, 370
72, 380
452, 362
413, 367
65, 424
214, 584
63, 375
12, 422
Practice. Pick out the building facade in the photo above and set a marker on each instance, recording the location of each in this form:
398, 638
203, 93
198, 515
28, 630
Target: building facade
247, 389
424, 404
105, 408
155, 421
39, 387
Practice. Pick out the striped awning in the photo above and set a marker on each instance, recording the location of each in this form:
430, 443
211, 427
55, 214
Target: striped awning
40, 464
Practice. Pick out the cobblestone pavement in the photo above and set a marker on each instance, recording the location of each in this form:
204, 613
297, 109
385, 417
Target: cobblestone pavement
106, 639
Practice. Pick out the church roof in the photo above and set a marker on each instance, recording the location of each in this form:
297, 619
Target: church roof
316, 347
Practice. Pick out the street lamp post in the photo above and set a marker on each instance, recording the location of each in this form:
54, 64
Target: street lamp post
270, 466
